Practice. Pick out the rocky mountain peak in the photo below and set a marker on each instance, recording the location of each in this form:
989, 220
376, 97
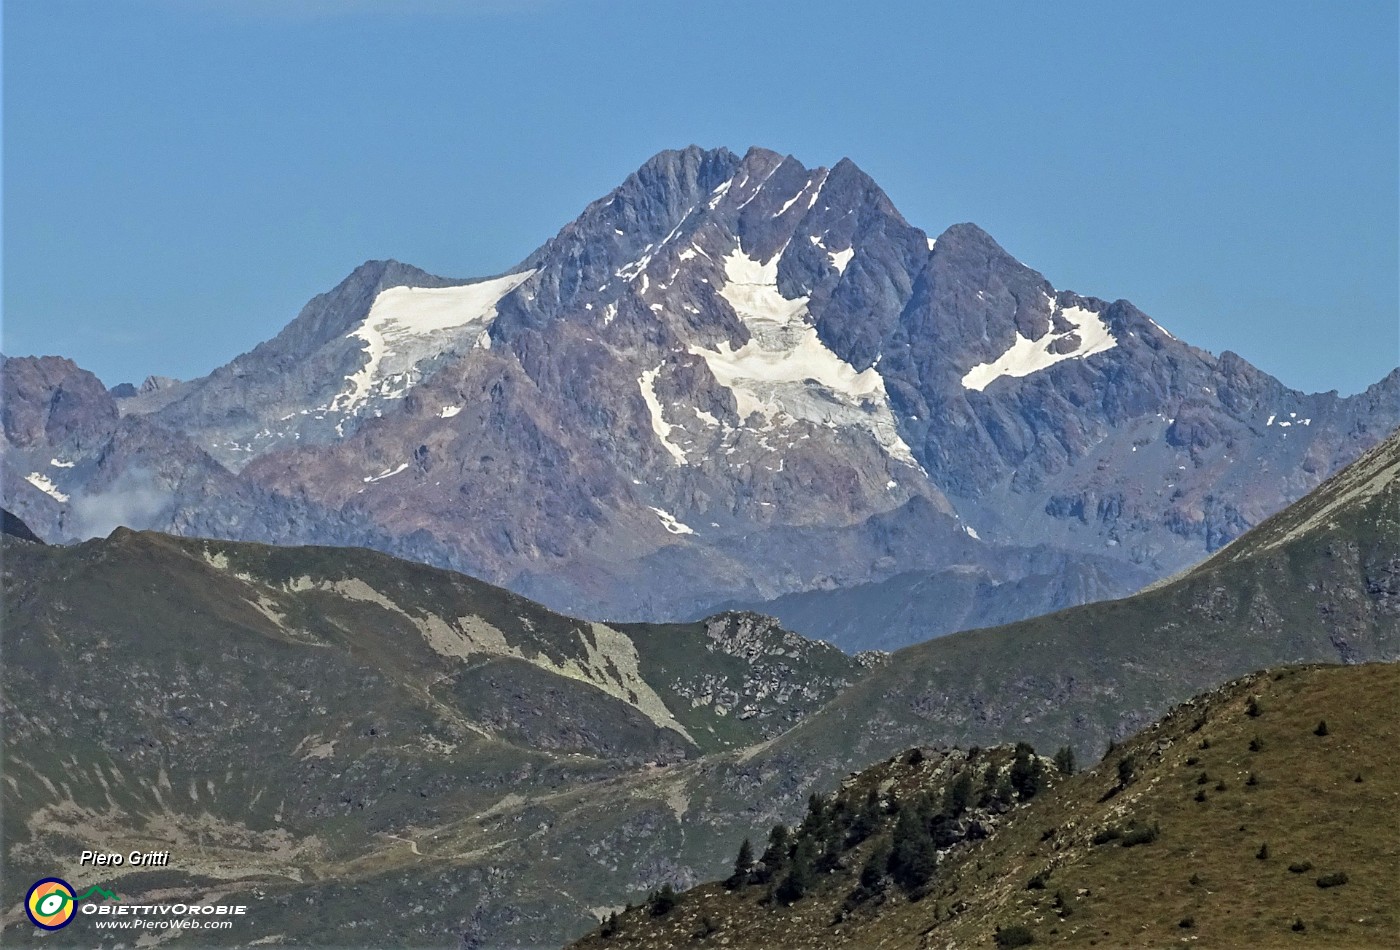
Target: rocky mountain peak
729, 379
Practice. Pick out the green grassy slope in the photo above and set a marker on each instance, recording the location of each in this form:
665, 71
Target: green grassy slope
1214, 783
309, 720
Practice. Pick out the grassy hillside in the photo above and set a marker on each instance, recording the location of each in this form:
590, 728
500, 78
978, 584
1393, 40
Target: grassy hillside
340, 724
339, 730
1229, 817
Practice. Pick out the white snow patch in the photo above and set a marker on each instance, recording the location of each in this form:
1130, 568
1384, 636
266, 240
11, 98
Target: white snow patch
793, 200
932, 242
1160, 327
972, 532
407, 325
385, 474
1031, 356
449, 411
659, 425
609, 312
59, 463
42, 483
707, 418
670, 523
839, 259
785, 368
744, 204
718, 193
891, 484
1270, 422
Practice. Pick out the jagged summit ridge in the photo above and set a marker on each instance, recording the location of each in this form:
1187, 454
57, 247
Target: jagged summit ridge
730, 379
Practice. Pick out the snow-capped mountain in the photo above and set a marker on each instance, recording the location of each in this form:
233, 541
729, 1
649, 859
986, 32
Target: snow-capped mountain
733, 379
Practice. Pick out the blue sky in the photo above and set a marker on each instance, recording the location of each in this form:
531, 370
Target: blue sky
180, 176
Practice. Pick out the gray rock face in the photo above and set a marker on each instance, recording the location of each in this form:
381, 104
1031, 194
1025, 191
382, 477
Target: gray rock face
735, 379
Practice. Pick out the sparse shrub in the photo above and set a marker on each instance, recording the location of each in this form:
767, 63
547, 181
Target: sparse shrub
1105, 835
1048, 833
1220, 786
1191, 761
1298, 926
1251, 708
1263, 853
1195, 880
1202, 779
1205, 744
707, 928
1301, 867
663, 901
1127, 770
1321, 729
915, 757
1036, 883
610, 927
1186, 923
1252, 780
1142, 834
1256, 744
1358, 778
1335, 879
1064, 760
1014, 936
1200, 795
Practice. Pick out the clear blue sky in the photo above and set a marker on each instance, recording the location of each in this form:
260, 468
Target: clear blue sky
180, 176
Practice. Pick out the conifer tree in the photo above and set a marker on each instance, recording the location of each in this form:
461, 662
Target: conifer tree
801, 874
1064, 760
913, 856
959, 794
775, 856
743, 866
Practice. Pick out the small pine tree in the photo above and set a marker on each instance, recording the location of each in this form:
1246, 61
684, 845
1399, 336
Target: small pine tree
1200, 795
1321, 729
872, 874
610, 927
1252, 708
913, 856
775, 856
959, 795
743, 865
1263, 853
1252, 780
801, 875
1064, 760
663, 901
1027, 774
1256, 744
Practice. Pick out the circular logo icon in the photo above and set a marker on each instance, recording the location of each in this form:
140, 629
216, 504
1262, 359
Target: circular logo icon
49, 903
